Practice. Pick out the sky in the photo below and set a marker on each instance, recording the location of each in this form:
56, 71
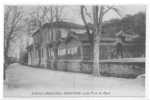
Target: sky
72, 13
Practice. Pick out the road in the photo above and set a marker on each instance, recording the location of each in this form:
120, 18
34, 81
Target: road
27, 81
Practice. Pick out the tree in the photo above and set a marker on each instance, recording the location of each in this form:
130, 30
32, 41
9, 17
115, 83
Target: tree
12, 22
134, 24
98, 13
44, 14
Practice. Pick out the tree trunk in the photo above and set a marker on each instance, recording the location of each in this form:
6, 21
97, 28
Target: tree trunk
39, 53
98, 16
96, 69
6, 62
55, 58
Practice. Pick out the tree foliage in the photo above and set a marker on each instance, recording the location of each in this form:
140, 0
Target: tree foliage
130, 24
42, 15
12, 24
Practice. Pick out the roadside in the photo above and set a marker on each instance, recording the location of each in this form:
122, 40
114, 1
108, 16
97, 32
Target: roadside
23, 81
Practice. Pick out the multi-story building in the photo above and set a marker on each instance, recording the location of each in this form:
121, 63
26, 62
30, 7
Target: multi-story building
66, 46
49, 33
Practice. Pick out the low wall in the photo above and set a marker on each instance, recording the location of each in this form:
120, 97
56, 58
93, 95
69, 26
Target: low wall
122, 70
116, 68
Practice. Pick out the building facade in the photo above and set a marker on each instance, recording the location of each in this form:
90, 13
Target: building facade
65, 46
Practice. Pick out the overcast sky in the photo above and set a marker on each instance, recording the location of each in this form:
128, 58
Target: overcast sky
72, 13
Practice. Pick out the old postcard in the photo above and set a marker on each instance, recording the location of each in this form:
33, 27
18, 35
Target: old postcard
74, 50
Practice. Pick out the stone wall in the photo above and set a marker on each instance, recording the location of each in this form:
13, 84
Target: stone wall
125, 70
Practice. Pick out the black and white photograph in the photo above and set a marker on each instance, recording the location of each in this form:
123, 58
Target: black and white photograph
74, 50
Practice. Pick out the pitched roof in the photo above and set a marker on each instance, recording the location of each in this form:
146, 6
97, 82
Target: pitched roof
63, 24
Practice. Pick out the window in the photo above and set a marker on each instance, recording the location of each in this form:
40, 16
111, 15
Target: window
72, 51
61, 52
69, 51
49, 52
52, 53
50, 35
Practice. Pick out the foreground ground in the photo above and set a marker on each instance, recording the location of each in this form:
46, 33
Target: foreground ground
26, 81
